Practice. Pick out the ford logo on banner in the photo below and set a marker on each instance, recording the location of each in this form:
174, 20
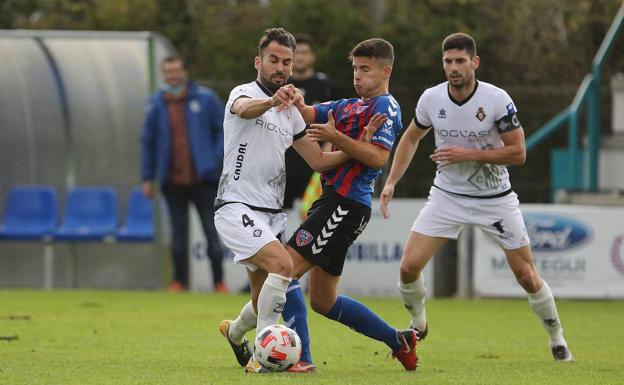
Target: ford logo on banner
553, 232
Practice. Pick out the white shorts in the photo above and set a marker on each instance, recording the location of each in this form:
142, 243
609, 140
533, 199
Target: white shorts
500, 218
245, 231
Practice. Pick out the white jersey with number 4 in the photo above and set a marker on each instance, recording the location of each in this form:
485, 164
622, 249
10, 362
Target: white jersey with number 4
475, 122
254, 171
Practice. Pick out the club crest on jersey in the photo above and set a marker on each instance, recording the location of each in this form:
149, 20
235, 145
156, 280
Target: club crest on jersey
359, 109
442, 114
480, 114
303, 238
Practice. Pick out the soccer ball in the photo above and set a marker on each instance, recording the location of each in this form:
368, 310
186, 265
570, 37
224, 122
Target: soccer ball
277, 347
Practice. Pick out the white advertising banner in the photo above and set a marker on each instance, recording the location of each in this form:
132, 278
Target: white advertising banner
578, 250
372, 263
200, 272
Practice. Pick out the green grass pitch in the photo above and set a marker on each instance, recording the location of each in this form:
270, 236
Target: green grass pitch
135, 337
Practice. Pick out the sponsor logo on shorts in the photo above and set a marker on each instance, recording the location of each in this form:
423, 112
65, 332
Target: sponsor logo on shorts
303, 238
257, 233
328, 230
504, 234
498, 225
361, 227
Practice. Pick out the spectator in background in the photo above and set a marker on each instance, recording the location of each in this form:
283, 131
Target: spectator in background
182, 151
315, 88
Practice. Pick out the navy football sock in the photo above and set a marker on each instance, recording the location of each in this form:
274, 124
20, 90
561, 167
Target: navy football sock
295, 316
363, 320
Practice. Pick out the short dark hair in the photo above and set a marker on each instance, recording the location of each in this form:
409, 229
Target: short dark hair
302, 38
374, 48
279, 35
173, 58
460, 41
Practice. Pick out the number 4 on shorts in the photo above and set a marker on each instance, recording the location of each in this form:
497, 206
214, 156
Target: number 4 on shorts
247, 221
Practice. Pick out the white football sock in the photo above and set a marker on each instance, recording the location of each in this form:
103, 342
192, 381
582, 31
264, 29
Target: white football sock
245, 322
413, 295
271, 300
543, 304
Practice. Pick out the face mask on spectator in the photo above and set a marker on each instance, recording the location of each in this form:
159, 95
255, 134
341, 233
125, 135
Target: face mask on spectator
174, 90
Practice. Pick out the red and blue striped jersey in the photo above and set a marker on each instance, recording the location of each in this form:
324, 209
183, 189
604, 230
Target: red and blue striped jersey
354, 180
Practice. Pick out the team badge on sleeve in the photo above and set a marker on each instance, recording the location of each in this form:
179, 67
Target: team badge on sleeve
303, 238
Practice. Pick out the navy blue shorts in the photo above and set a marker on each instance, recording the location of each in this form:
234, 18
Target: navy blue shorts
333, 223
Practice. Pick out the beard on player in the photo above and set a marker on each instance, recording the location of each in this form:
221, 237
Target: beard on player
274, 81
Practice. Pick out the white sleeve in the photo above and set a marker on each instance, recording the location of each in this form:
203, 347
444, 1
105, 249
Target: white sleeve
506, 113
237, 92
421, 117
299, 124
504, 106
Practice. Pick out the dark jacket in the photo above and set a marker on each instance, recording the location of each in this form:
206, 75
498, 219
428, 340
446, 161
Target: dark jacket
204, 123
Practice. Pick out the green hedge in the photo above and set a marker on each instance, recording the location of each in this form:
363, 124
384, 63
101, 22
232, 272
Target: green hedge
537, 50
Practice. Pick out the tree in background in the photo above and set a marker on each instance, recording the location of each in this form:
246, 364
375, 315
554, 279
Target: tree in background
538, 50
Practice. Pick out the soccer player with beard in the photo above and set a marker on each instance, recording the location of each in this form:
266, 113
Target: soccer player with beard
260, 124
477, 133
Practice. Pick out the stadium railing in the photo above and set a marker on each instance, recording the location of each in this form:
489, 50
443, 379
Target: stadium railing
573, 168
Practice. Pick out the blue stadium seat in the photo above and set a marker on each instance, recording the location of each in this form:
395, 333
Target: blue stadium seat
91, 214
139, 225
30, 213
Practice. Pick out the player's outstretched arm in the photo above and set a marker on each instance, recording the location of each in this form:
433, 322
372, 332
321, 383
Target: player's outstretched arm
307, 112
251, 108
402, 157
364, 152
319, 160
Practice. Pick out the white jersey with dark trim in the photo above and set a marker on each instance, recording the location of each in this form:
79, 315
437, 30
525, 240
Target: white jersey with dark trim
475, 122
254, 171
